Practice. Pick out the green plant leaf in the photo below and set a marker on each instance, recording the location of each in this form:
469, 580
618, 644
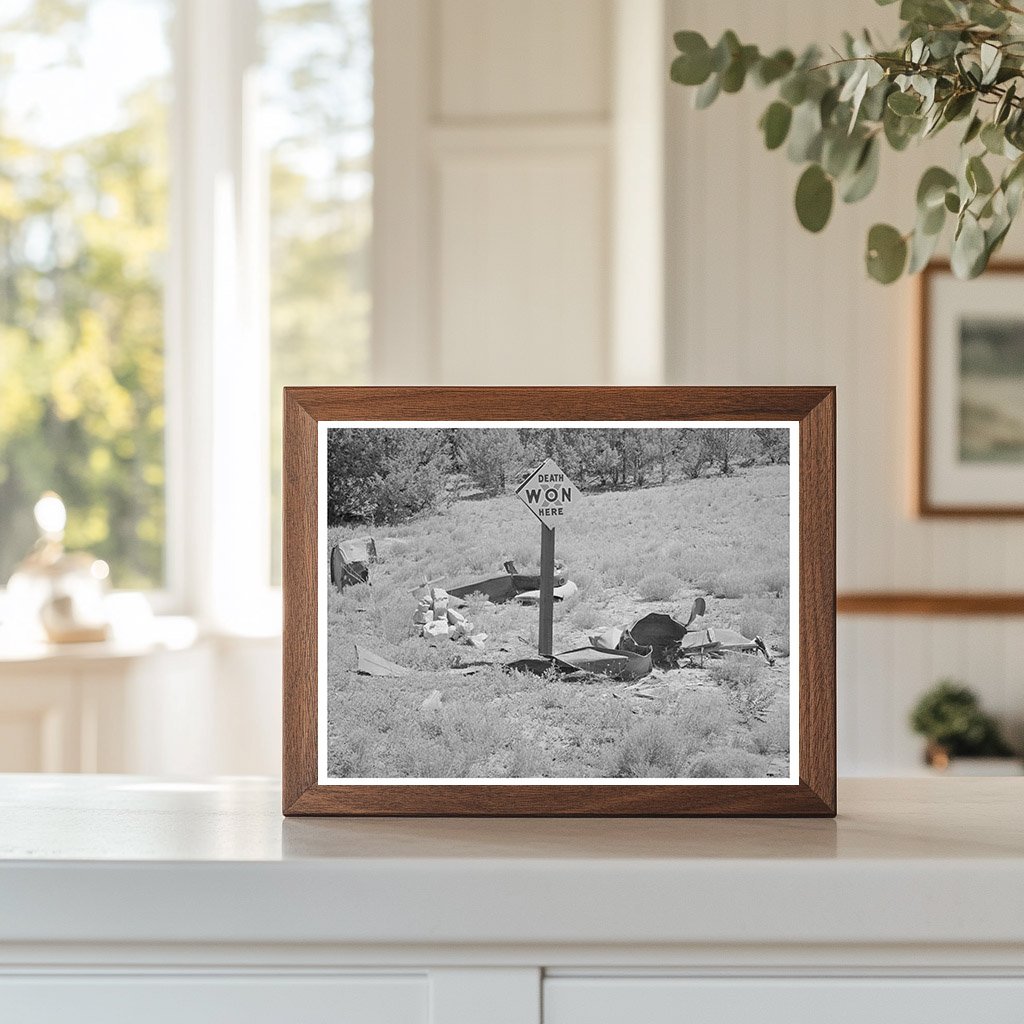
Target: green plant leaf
794, 88
725, 49
991, 61
775, 124
922, 247
771, 69
814, 196
693, 65
987, 15
993, 138
969, 255
735, 74
952, 202
978, 176
707, 93
973, 130
1005, 105
886, 254
840, 152
931, 191
805, 133
904, 103
865, 174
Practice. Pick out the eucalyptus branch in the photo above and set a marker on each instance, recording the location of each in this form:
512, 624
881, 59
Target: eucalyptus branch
955, 59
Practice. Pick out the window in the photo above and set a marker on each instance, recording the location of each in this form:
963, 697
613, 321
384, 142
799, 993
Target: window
83, 235
237, 212
317, 117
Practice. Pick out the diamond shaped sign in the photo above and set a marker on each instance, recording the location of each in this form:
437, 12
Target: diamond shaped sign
549, 494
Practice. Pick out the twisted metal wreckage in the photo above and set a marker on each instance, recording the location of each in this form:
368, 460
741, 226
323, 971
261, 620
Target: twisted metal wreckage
625, 652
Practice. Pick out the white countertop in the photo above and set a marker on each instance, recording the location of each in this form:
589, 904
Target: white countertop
119, 859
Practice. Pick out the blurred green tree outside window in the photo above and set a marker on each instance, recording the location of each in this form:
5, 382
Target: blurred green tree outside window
85, 106
317, 119
83, 236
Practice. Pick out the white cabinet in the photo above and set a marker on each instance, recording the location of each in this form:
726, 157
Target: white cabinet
133, 899
668, 1000
202, 999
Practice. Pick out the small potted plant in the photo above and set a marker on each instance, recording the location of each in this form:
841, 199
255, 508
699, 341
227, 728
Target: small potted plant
950, 718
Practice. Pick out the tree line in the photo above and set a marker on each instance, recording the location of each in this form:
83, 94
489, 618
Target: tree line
388, 475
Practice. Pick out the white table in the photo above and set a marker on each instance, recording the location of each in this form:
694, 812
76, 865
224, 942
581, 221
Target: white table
125, 898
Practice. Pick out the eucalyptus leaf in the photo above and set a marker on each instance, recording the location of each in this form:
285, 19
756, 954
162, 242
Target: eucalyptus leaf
987, 15
993, 138
707, 93
794, 88
814, 197
931, 191
973, 130
954, 60
805, 133
922, 248
968, 248
886, 253
771, 69
903, 103
865, 173
724, 51
978, 176
991, 61
775, 124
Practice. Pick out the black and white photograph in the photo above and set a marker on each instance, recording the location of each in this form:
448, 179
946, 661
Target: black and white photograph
558, 602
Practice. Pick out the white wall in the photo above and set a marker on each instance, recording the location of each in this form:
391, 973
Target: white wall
754, 299
502, 130
519, 236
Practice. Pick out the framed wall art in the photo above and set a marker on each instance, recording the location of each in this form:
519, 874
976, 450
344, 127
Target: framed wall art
970, 444
559, 601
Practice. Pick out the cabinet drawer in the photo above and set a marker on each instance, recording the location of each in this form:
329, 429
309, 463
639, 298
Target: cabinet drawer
662, 1000
202, 999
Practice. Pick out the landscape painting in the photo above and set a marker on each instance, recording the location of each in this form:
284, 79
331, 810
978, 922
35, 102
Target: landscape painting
991, 390
558, 602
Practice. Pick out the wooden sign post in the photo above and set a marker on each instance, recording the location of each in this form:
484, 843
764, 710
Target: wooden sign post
550, 495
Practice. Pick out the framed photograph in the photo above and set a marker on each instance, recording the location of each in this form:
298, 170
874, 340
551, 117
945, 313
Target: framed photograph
970, 450
559, 601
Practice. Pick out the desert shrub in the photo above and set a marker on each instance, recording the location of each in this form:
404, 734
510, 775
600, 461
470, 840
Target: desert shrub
554, 695
659, 586
772, 735
773, 580
753, 704
394, 614
525, 761
736, 671
354, 755
762, 616
727, 763
584, 616
750, 694
650, 749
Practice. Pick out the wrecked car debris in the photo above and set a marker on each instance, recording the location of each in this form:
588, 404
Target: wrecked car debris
370, 663
515, 585
566, 590
351, 561
672, 639
614, 664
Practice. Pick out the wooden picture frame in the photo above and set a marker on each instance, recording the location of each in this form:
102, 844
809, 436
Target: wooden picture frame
808, 413
941, 488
